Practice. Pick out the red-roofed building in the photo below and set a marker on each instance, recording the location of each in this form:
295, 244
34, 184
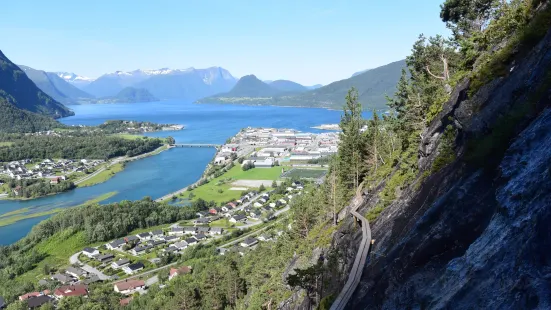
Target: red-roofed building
129, 286
179, 271
34, 294
125, 301
71, 290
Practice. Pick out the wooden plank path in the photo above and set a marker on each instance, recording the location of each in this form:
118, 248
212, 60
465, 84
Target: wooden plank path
359, 263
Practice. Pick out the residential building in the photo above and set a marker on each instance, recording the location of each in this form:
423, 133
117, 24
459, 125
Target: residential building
248, 242
90, 252
216, 231
125, 301
105, 257
76, 272
170, 239
120, 263
37, 302
179, 271
144, 236
202, 221
129, 286
191, 241
141, 249
71, 290
200, 236
157, 233
176, 231
34, 294
116, 244
238, 218
131, 239
133, 268
64, 279
180, 245
189, 230
203, 229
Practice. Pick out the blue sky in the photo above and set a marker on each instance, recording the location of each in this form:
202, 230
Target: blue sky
306, 41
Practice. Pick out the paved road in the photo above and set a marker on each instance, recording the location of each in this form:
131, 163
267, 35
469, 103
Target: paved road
73, 260
154, 279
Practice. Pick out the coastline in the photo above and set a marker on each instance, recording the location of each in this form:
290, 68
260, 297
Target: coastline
116, 161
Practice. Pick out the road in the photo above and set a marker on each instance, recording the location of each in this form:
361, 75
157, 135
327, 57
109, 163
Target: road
256, 231
75, 261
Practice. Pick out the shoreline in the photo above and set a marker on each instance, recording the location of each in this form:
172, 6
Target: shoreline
116, 161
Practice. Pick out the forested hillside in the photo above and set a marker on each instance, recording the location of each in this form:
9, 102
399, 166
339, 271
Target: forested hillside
54, 86
13, 119
373, 87
24, 94
97, 146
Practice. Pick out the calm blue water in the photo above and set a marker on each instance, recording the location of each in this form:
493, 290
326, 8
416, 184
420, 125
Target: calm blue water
171, 170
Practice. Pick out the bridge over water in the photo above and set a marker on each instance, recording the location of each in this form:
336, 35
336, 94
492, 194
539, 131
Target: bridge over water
196, 145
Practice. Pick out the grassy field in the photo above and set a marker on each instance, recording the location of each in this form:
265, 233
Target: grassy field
218, 189
128, 136
23, 214
103, 176
253, 174
6, 144
305, 173
58, 249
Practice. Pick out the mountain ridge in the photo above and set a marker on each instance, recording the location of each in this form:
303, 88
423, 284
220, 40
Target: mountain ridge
373, 86
24, 94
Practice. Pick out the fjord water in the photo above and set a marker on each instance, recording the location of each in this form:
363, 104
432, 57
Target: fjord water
171, 170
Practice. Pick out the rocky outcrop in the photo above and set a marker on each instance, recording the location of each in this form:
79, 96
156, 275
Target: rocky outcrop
473, 236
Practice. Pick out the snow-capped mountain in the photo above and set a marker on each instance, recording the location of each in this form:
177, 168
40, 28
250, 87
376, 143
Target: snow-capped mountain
75, 79
166, 83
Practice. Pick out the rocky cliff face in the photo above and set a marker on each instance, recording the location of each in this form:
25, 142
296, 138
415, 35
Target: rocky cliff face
474, 235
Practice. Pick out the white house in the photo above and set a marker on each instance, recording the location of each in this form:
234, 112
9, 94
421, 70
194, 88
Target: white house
133, 268
128, 287
144, 236
238, 218
120, 263
90, 252
176, 231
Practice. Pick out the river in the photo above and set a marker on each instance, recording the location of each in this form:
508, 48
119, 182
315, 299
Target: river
171, 170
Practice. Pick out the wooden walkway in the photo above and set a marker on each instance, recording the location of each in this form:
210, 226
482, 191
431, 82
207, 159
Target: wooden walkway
361, 257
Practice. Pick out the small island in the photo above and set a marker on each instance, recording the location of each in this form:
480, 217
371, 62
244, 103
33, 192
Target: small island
126, 95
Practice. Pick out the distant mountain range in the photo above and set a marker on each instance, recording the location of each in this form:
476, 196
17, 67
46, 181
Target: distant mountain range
373, 86
23, 106
54, 86
189, 84
250, 90
74, 79
216, 85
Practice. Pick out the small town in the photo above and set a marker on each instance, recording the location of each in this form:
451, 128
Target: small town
122, 261
55, 170
268, 147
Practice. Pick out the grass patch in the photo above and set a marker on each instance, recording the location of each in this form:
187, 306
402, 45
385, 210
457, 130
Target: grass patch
103, 176
21, 214
129, 136
58, 249
218, 189
305, 173
6, 144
